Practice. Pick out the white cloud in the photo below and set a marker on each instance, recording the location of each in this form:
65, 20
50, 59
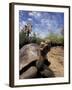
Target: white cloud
50, 24
45, 21
58, 31
23, 22
38, 14
21, 25
35, 14
40, 32
30, 14
29, 19
46, 24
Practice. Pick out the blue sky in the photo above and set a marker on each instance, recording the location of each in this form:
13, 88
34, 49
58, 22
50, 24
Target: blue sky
42, 22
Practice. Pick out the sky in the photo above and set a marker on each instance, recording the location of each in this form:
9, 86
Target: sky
43, 23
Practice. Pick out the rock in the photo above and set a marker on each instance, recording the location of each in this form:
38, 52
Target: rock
47, 73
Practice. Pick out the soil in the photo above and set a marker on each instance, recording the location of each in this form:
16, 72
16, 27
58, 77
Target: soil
56, 57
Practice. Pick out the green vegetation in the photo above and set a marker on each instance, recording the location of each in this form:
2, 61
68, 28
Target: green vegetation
24, 39
35, 39
54, 38
58, 39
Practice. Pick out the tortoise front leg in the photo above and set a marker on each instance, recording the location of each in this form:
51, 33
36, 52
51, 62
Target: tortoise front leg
43, 69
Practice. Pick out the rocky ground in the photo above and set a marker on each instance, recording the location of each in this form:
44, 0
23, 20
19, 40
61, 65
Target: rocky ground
56, 57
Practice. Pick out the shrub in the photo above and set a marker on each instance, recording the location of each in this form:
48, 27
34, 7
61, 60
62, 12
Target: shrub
56, 39
24, 39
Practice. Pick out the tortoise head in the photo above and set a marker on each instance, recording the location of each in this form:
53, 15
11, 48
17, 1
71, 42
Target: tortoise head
45, 47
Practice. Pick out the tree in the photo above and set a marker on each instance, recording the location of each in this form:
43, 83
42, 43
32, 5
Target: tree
24, 35
28, 29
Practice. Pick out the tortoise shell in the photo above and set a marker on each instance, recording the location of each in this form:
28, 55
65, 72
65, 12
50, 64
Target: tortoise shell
27, 54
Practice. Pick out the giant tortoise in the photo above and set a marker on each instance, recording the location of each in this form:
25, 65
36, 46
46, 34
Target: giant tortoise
33, 62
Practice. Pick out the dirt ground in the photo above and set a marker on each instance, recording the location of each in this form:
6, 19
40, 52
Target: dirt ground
56, 57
